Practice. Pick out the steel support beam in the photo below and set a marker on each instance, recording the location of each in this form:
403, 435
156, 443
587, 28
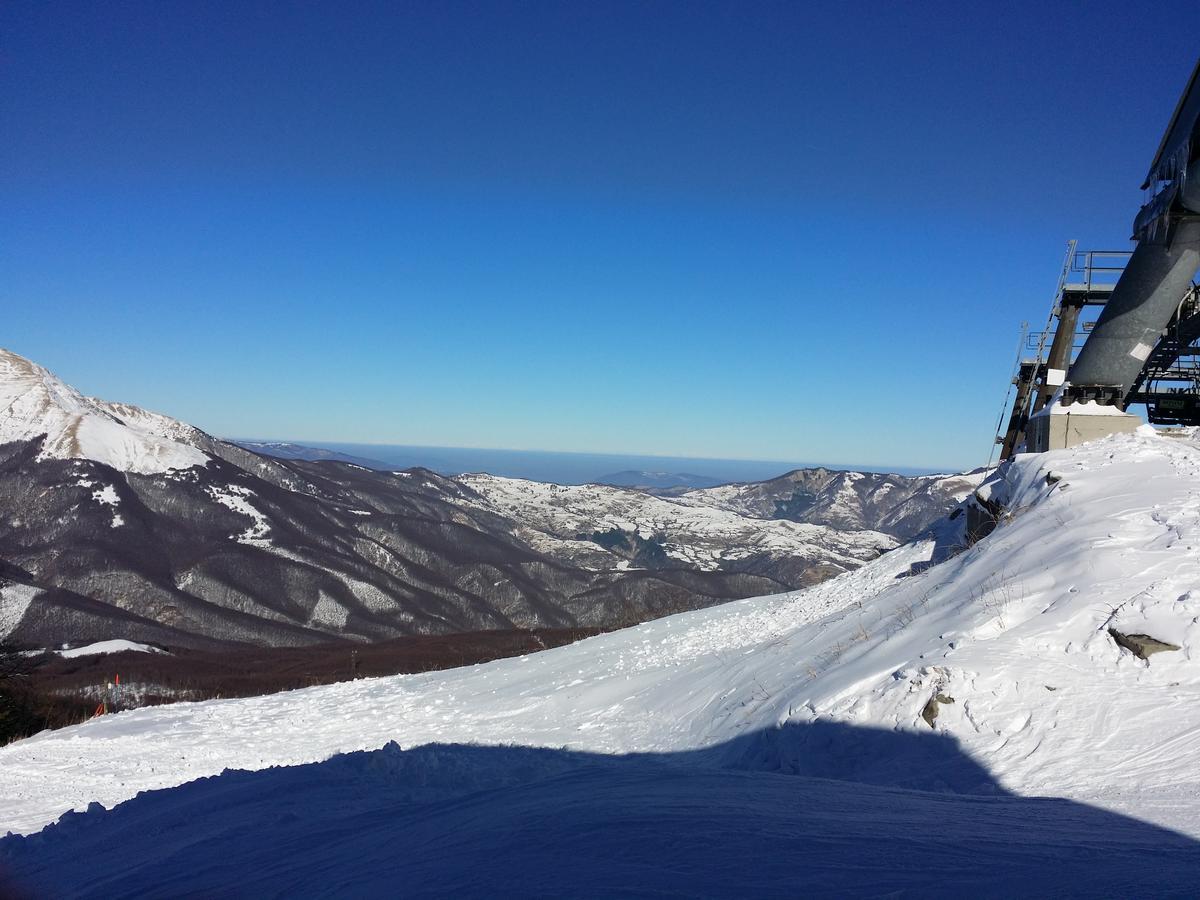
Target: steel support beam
1015, 432
1142, 304
1060, 350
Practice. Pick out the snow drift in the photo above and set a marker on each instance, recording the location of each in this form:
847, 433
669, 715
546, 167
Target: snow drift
922, 697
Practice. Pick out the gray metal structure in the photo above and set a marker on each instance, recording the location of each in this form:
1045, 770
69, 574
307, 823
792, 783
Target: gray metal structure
1087, 280
1148, 296
1169, 384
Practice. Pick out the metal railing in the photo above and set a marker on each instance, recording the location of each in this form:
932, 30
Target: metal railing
1093, 271
1098, 267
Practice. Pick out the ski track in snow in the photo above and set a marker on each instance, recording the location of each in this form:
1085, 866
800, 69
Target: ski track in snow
1013, 631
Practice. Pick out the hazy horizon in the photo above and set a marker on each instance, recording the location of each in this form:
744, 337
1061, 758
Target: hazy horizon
575, 467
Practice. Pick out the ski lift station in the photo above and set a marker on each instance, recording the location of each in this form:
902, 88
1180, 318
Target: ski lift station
1124, 326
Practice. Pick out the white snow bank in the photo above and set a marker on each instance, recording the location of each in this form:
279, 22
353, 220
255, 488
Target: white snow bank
1055, 407
106, 496
101, 647
1013, 630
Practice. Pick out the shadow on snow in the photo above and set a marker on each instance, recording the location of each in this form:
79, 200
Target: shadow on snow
813, 809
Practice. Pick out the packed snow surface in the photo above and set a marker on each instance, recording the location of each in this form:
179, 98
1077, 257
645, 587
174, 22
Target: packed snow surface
34, 402
792, 731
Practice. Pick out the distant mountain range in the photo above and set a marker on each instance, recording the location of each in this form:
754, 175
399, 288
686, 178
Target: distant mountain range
121, 523
899, 505
554, 467
643, 480
288, 450
658, 480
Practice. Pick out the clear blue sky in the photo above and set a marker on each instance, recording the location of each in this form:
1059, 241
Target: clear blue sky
756, 230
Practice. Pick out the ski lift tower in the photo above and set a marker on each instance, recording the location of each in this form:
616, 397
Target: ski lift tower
1146, 318
1144, 347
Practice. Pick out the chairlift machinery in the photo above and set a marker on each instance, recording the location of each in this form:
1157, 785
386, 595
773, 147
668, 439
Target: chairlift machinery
1144, 346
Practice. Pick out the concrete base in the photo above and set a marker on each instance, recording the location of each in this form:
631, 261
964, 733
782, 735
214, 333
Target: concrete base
1060, 429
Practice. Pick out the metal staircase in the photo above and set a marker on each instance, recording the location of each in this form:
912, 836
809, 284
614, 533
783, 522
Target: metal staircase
1169, 384
1144, 346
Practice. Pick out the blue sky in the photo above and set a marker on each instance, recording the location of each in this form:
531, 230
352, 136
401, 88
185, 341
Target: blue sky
755, 230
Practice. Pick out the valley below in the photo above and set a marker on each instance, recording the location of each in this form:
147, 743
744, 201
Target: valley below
128, 524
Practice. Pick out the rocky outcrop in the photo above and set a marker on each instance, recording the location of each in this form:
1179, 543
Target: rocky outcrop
1141, 645
933, 706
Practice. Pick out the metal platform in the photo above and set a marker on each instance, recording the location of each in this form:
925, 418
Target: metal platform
1084, 294
1144, 345
1169, 385
1087, 279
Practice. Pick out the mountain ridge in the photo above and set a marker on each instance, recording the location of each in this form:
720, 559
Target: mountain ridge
243, 547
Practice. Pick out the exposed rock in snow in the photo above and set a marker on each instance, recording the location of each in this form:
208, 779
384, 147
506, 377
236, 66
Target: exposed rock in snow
1141, 645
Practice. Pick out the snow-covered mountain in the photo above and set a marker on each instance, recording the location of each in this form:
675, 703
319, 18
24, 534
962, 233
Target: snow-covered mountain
126, 524
900, 505
1022, 717
289, 450
595, 523
33, 403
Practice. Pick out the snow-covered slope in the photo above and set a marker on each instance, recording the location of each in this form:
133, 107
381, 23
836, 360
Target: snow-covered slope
900, 505
1010, 642
34, 402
